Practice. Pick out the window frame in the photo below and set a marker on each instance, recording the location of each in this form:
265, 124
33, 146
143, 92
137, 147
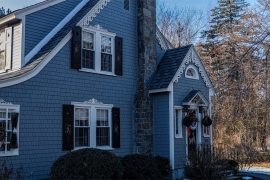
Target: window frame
3, 32
98, 33
15, 108
178, 110
194, 70
205, 127
94, 47
92, 110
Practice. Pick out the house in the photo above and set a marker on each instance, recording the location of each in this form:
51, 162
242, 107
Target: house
96, 73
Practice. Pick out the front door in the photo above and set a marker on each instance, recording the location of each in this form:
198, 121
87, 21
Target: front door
192, 132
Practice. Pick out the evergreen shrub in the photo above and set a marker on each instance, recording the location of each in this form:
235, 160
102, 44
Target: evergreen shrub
88, 163
163, 165
138, 166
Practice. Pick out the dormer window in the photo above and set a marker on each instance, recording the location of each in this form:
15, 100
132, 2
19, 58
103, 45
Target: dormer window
191, 72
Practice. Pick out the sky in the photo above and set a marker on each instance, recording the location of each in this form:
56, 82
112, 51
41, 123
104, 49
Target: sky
18, 4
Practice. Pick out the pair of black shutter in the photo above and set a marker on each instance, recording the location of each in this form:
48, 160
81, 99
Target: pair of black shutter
76, 60
68, 127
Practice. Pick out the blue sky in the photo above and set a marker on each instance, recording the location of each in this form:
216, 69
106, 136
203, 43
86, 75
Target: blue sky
17, 4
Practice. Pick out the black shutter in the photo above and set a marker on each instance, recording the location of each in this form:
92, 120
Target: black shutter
118, 56
76, 48
68, 127
116, 127
14, 121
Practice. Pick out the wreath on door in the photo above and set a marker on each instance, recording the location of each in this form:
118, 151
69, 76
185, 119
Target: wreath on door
206, 121
190, 120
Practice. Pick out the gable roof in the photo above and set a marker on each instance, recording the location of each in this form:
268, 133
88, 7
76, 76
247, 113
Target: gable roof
168, 66
163, 42
52, 43
195, 97
173, 64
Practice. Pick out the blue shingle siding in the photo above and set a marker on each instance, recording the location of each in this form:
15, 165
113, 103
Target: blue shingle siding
161, 124
41, 97
40, 23
181, 89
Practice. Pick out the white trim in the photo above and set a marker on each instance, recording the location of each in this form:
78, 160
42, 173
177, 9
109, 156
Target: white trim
211, 93
193, 105
46, 39
159, 90
30, 9
92, 106
37, 7
39, 67
193, 57
194, 70
180, 118
162, 42
199, 127
7, 18
8, 105
93, 13
171, 122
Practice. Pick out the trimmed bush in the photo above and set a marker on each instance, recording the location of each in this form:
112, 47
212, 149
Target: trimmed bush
163, 165
233, 165
138, 166
87, 163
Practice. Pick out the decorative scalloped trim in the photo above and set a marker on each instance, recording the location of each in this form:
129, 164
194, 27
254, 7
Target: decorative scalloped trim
92, 101
193, 57
2, 102
161, 41
93, 13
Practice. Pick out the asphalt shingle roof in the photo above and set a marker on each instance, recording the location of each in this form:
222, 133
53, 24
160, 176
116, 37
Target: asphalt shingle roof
46, 49
168, 67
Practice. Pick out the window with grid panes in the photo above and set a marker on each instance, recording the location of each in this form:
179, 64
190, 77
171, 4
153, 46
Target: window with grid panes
9, 129
88, 50
106, 53
92, 126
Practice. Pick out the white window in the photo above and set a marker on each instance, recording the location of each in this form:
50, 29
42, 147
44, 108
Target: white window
178, 121
98, 50
206, 131
9, 129
92, 125
88, 50
191, 72
5, 49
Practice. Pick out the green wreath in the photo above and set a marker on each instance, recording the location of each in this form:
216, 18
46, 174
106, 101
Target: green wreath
187, 121
206, 121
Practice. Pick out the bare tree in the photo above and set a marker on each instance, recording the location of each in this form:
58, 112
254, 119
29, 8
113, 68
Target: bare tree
181, 25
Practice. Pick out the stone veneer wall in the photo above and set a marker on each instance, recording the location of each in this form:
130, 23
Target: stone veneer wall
147, 56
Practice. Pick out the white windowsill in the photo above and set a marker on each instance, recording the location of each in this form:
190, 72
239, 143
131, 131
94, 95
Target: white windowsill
177, 137
206, 135
2, 154
97, 72
192, 77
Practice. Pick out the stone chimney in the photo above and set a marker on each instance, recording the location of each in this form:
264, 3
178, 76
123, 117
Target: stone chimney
147, 56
